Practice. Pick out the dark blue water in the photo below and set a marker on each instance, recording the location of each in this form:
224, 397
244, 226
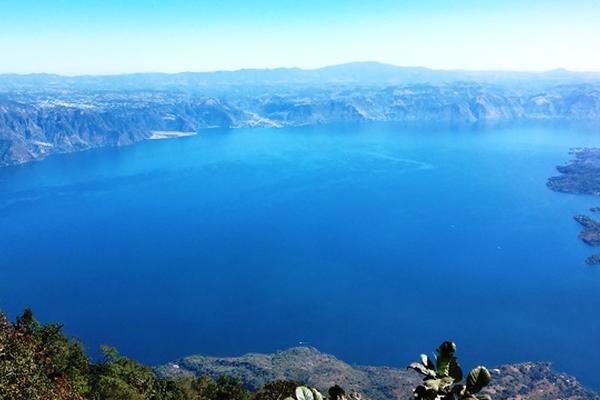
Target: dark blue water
372, 242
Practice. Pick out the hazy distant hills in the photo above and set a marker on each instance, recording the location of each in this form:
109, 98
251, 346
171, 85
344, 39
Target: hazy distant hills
533, 381
359, 73
46, 114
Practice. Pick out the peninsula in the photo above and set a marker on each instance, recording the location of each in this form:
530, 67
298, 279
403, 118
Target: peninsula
582, 176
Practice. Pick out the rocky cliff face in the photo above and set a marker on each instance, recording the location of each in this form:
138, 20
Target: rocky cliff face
30, 130
36, 122
533, 381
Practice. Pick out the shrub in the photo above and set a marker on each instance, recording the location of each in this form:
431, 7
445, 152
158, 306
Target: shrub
443, 378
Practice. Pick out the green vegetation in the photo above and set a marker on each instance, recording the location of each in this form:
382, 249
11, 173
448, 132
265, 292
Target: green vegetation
443, 378
38, 362
306, 393
277, 390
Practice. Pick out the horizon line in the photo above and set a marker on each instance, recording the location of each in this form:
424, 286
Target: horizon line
463, 70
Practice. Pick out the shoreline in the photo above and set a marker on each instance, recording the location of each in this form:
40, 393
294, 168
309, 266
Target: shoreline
159, 135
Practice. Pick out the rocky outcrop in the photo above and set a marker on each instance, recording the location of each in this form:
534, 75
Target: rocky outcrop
591, 230
534, 381
581, 175
593, 259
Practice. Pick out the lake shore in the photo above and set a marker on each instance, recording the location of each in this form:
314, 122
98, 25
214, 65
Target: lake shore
159, 135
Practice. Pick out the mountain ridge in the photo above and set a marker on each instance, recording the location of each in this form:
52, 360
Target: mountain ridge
534, 381
358, 72
357, 63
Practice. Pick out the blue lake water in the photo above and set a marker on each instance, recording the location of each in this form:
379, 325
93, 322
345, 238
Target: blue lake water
372, 242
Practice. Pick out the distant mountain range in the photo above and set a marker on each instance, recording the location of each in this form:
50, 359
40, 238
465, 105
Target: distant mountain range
358, 73
532, 381
45, 114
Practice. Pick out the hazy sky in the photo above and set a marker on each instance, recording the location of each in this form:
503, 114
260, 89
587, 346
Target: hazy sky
114, 36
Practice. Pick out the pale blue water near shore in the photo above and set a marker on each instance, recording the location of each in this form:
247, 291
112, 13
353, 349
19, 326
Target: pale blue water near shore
372, 242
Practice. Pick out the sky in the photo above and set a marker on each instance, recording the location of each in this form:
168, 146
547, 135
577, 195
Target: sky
122, 36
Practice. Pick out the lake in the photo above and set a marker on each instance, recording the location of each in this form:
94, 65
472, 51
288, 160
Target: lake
373, 242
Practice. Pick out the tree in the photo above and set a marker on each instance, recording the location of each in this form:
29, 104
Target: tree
39, 362
229, 388
277, 390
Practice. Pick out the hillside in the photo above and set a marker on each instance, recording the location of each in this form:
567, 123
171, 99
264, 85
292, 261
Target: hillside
37, 361
44, 119
533, 381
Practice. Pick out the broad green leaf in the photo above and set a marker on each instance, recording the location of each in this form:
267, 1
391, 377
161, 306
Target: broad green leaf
426, 361
438, 384
445, 354
420, 368
478, 378
446, 382
317, 394
454, 370
433, 384
304, 393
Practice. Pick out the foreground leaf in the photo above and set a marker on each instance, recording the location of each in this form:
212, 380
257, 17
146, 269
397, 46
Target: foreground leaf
445, 354
478, 378
304, 393
317, 394
420, 368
